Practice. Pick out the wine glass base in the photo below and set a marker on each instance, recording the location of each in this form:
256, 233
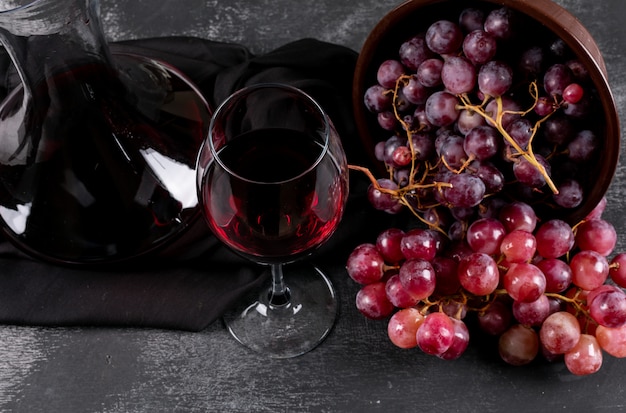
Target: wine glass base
291, 329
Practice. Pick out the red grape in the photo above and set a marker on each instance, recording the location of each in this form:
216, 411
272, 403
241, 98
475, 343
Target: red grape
436, 334
597, 235
518, 246
554, 238
573, 93
524, 282
418, 278
618, 269
518, 215
612, 340
485, 235
589, 270
372, 301
478, 273
446, 273
558, 274
608, 307
418, 243
532, 313
397, 294
365, 265
559, 332
459, 342
388, 245
496, 319
403, 326
519, 345
586, 356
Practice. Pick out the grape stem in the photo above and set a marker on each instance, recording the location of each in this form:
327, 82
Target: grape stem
498, 123
400, 194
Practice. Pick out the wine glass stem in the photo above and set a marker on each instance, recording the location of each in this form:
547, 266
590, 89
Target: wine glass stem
279, 294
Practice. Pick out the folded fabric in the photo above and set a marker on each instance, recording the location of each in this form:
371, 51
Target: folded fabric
193, 293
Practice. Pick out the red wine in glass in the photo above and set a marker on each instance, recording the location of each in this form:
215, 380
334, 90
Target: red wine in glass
273, 184
278, 210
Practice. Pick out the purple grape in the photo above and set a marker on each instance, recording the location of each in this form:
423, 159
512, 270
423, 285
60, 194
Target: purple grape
570, 194
444, 37
423, 146
388, 73
401, 176
528, 174
579, 110
482, 142
429, 72
466, 191
544, 106
387, 120
508, 105
579, 70
402, 103
520, 131
557, 77
442, 108
391, 145
414, 51
532, 62
582, 147
471, 19
558, 129
458, 75
451, 151
382, 200
498, 23
479, 46
377, 99
491, 176
495, 78
415, 92
421, 120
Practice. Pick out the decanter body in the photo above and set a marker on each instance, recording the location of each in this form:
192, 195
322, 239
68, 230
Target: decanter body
97, 150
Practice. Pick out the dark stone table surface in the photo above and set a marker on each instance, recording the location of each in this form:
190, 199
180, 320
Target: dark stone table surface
356, 369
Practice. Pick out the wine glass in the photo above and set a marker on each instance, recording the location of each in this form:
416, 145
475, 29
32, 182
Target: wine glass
273, 183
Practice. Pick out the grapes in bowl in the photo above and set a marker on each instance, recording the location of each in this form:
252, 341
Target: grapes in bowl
493, 123
429, 65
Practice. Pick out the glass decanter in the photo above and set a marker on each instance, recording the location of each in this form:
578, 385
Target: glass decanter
97, 149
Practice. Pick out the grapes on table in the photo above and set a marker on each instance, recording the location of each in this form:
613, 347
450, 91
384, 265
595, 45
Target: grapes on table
489, 150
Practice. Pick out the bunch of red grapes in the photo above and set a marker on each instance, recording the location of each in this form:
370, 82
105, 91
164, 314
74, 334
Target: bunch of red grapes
484, 145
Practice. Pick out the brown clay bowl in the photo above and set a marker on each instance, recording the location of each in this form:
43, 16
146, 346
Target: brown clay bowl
414, 16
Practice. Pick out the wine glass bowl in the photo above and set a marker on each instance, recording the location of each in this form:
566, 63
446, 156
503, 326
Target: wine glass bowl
272, 179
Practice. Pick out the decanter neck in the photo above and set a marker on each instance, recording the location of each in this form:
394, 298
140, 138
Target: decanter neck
43, 37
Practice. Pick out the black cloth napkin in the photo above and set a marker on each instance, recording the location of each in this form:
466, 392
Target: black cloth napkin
192, 294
